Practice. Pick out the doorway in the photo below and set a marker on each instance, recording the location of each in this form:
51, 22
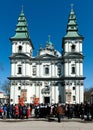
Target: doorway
46, 100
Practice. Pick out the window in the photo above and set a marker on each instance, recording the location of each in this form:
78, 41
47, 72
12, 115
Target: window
34, 70
46, 70
19, 88
73, 48
19, 70
73, 70
19, 48
59, 70
73, 88
74, 98
18, 96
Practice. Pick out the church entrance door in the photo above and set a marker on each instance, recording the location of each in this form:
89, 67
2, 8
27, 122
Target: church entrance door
46, 100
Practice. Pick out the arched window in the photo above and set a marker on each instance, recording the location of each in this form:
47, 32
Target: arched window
73, 70
46, 70
73, 48
19, 70
19, 48
59, 70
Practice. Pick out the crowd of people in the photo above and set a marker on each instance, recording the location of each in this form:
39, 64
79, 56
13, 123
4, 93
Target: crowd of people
83, 111
15, 111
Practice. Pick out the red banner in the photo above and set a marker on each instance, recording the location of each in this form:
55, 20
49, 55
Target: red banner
36, 101
21, 101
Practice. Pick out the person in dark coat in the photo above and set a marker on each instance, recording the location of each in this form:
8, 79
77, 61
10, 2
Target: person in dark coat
59, 112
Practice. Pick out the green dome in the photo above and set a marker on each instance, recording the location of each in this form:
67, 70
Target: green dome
49, 42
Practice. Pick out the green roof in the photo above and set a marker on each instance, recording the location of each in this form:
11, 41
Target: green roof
72, 28
21, 28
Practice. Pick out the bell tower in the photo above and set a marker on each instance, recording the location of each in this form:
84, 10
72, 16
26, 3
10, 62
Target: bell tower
20, 60
73, 61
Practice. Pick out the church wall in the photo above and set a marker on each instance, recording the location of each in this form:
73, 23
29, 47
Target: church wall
77, 48
14, 49
81, 95
66, 69
14, 94
81, 69
39, 69
13, 69
53, 89
29, 94
23, 69
27, 69
77, 69
80, 46
73, 95
77, 93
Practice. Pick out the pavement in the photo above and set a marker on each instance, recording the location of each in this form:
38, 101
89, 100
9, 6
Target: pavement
45, 124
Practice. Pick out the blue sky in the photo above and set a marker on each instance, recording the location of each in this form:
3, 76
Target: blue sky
46, 17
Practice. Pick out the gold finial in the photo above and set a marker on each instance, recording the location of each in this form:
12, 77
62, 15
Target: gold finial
49, 38
72, 6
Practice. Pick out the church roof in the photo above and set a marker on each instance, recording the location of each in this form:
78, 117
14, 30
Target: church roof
21, 32
21, 28
72, 27
46, 56
49, 44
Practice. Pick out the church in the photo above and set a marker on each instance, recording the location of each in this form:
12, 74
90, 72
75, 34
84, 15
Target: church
50, 76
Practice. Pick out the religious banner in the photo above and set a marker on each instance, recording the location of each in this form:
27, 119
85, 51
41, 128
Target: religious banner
21, 101
24, 94
68, 95
36, 101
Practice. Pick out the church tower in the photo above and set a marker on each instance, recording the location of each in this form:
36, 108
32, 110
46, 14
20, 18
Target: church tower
20, 59
73, 62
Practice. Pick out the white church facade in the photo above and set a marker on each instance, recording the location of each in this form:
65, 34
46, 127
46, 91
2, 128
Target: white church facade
51, 76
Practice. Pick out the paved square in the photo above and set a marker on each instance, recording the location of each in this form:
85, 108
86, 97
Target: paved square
45, 125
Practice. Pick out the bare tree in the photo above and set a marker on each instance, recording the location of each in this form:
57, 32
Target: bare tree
6, 87
87, 94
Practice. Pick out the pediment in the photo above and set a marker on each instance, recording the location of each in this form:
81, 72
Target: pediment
76, 54
19, 55
46, 56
